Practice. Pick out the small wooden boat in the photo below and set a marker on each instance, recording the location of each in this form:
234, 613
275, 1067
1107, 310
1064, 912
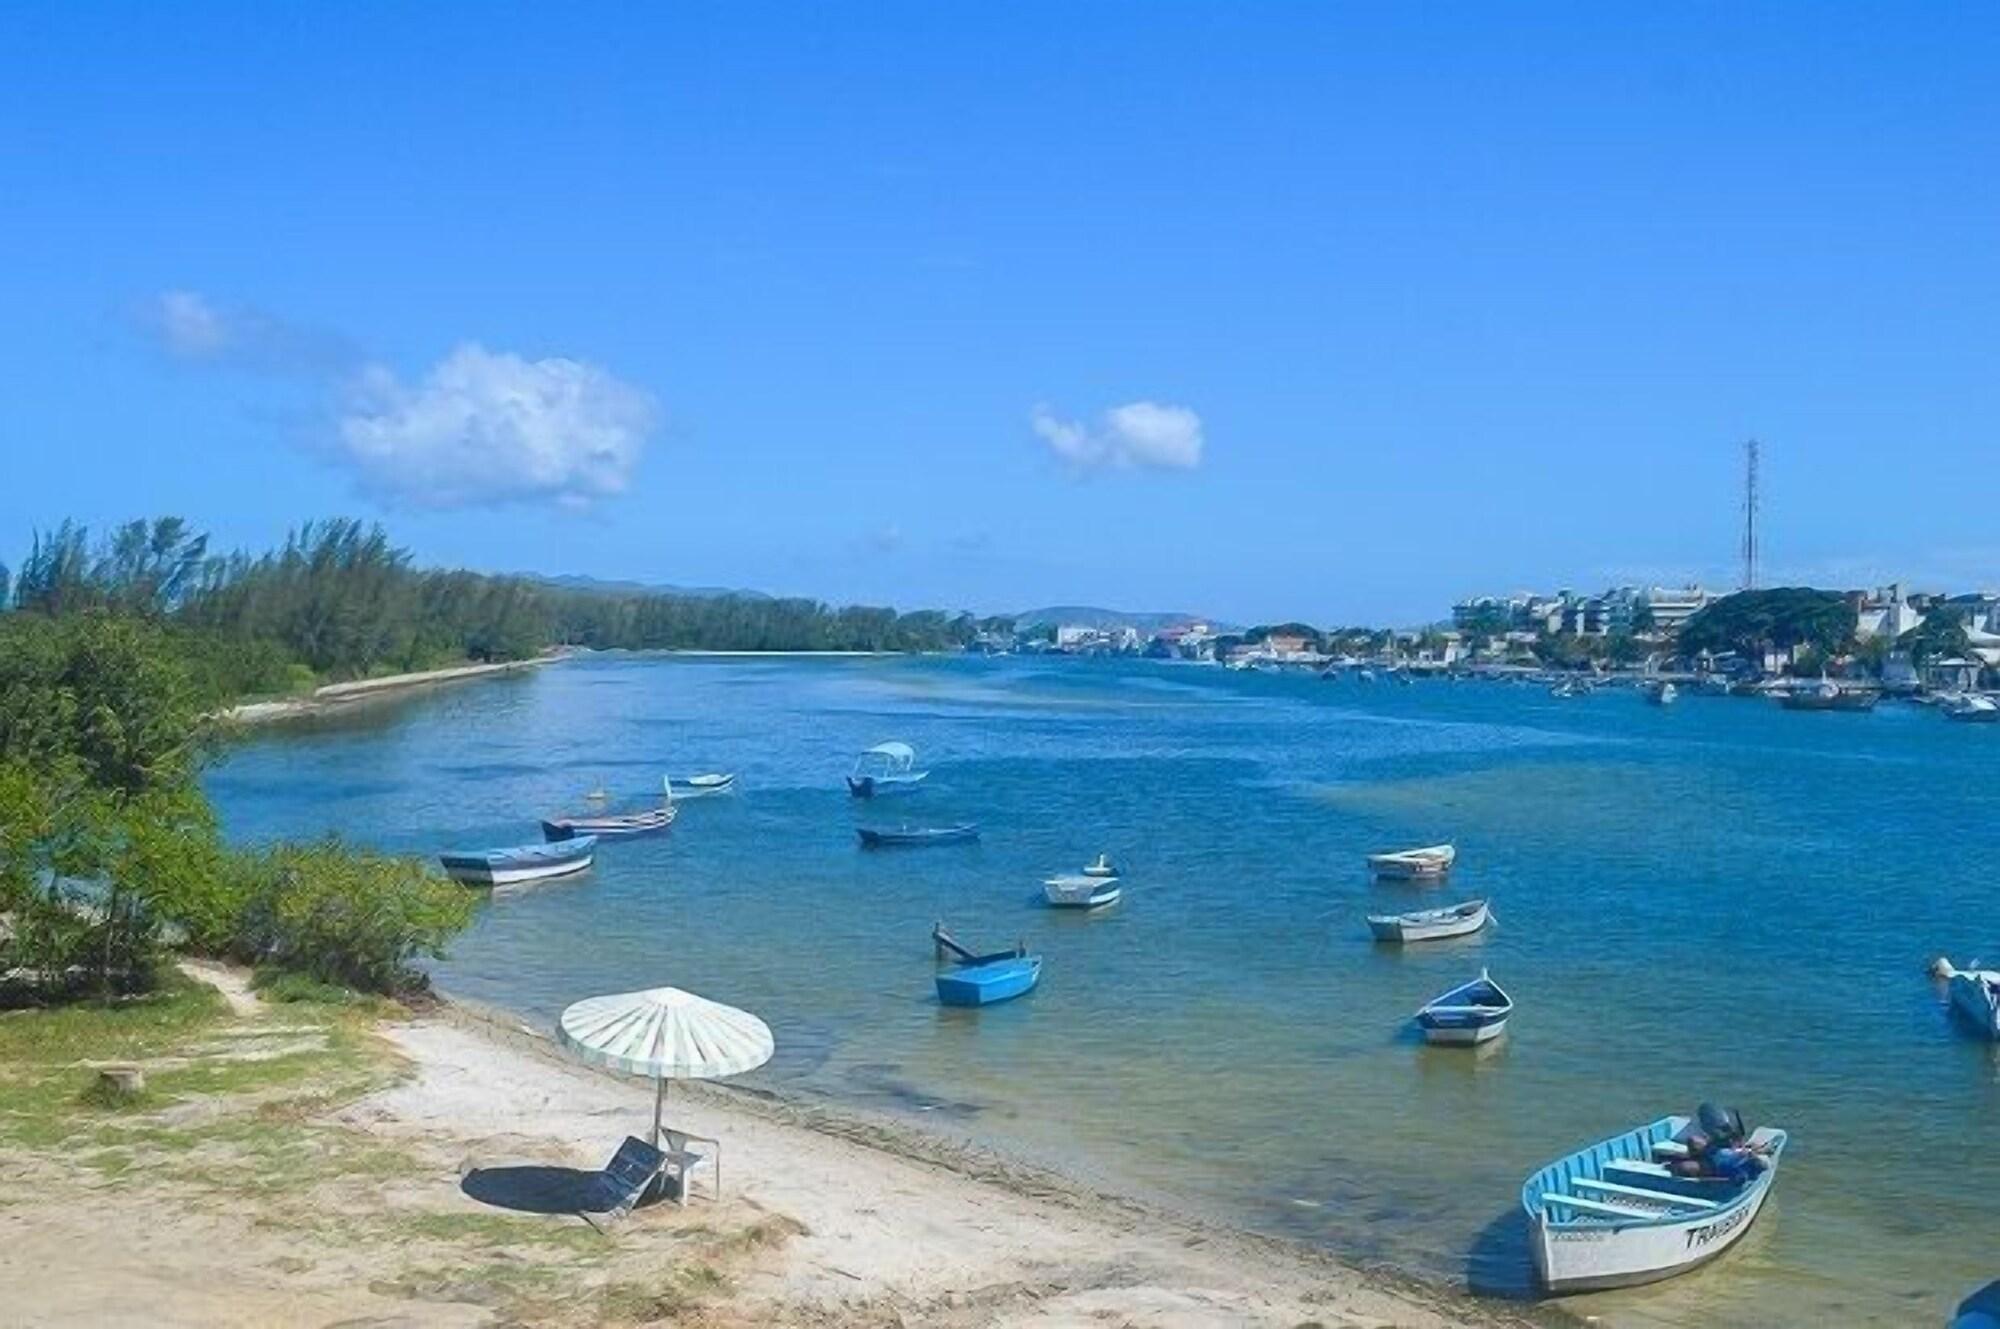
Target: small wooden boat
1409, 864
1975, 994
1456, 920
701, 786
614, 825
982, 980
916, 835
1614, 1214
886, 768
1470, 1013
1103, 867
1082, 891
528, 862
1826, 695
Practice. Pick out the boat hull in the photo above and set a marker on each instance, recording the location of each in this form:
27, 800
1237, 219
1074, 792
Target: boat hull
1463, 1035
1576, 1259
1413, 864
1084, 892
1971, 999
501, 869
987, 984
883, 786
558, 829
871, 839
1404, 928
701, 786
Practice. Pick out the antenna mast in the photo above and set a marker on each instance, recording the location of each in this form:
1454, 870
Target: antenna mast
1750, 515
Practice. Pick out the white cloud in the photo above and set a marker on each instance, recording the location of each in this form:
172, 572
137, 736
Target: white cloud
486, 428
1137, 434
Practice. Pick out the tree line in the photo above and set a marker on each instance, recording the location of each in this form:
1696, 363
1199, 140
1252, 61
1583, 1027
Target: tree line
339, 600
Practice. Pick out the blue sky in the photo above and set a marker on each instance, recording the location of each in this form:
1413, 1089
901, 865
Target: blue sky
1335, 311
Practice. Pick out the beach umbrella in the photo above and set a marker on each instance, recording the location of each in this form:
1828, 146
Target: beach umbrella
666, 1034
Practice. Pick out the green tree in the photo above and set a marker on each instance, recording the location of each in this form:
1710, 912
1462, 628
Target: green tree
1941, 636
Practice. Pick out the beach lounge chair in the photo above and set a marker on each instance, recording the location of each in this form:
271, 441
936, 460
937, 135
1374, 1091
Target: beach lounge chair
640, 1171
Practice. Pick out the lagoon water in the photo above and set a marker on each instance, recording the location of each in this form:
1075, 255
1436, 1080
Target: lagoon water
1715, 899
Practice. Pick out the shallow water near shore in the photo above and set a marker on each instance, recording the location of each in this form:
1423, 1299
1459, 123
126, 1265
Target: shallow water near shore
1715, 899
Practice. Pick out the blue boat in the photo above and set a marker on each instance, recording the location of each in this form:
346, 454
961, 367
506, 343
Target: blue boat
982, 980
1650, 1203
917, 835
528, 862
1470, 1013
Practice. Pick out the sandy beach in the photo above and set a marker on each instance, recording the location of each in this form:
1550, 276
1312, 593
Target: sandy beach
416, 1202
336, 696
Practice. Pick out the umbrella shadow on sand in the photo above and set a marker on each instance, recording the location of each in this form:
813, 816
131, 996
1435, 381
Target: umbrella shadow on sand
535, 1189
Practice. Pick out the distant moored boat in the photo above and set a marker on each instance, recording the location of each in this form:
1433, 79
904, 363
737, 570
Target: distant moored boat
1404, 864
528, 862
701, 786
886, 768
1470, 1013
917, 836
982, 980
1827, 695
1456, 920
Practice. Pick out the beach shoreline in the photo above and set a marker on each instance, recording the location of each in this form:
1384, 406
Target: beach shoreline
1020, 1212
339, 696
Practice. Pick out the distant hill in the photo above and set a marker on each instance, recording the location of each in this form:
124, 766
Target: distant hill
598, 586
1093, 617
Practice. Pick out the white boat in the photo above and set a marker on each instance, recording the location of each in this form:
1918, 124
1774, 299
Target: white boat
1407, 864
1970, 707
1660, 692
1081, 891
1456, 920
684, 787
1615, 1214
1474, 1012
1975, 994
886, 768
521, 863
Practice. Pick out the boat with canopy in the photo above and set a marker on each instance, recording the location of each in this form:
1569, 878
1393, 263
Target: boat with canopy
886, 768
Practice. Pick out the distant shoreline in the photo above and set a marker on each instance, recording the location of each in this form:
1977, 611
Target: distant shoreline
336, 696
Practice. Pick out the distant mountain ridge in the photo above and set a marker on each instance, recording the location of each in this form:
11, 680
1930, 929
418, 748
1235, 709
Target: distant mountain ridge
600, 586
1092, 616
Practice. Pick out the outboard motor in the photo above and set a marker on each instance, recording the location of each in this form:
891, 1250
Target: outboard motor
1722, 1125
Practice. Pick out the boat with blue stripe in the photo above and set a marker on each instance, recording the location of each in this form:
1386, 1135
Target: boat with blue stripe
1650, 1203
519, 863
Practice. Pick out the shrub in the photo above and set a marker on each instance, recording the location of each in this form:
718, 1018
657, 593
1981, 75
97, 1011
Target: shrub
340, 915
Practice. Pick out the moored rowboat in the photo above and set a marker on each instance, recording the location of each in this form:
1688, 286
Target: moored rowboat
982, 980
611, 826
1975, 994
1470, 1013
528, 862
916, 835
1614, 1214
1407, 864
1082, 891
1431, 924
701, 786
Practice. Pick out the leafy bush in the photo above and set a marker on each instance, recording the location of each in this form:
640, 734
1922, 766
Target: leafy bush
339, 915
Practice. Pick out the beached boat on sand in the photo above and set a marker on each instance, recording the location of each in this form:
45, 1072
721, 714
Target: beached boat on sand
916, 836
1456, 920
1472, 1012
1617, 1213
886, 768
1404, 864
982, 980
528, 862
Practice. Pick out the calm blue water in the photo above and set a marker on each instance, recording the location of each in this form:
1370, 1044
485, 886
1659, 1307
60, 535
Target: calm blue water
1716, 899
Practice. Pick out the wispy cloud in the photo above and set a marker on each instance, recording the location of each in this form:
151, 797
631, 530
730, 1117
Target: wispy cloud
189, 327
1140, 434
479, 428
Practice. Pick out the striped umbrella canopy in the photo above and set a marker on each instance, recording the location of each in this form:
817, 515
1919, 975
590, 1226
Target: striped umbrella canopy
666, 1034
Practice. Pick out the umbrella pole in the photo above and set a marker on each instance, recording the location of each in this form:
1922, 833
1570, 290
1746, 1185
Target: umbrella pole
659, 1106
